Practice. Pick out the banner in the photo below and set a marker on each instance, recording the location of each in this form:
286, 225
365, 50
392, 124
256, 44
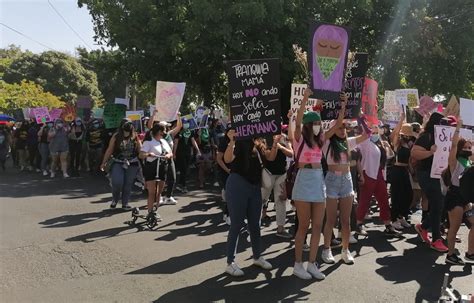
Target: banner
407, 97
123, 101
55, 113
369, 100
453, 107
443, 141
113, 115
427, 105
297, 92
84, 102
41, 115
254, 95
169, 96
98, 113
391, 108
327, 59
136, 117
68, 113
467, 111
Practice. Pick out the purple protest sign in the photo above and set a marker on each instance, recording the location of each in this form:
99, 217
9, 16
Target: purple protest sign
55, 113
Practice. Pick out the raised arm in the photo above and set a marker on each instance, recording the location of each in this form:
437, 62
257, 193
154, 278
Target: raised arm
179, 126
452, 159
270, 154
300, 113
395, 135
290, 131
340, 117
229, 152
149, 124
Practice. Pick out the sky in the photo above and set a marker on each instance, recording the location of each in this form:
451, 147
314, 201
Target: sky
38, 20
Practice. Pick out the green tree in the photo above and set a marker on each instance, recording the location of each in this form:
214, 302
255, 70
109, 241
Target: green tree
25, 94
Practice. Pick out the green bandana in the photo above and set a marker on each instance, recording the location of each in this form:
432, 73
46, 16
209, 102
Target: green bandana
464, 162
341, 145
186, 133
327, 65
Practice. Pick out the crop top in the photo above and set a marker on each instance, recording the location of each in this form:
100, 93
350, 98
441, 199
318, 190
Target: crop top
308, 155
351, 145
403, 155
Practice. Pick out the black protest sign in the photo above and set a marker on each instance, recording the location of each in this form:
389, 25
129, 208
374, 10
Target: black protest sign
254, 97
18, 115
354, 84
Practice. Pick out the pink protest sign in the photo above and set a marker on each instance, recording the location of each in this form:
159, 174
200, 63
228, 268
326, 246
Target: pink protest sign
427, 105
41, 115
55, 113
369, 100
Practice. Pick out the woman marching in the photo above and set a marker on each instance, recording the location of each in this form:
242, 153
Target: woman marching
309, 191
156, 153
123, 150
339, 187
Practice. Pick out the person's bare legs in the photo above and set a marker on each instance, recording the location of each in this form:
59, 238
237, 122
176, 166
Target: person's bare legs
331, 215
455, 220
345, 209
317, 216
303, 210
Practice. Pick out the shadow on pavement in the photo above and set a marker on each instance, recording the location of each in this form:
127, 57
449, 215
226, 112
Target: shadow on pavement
105, 234
74, 220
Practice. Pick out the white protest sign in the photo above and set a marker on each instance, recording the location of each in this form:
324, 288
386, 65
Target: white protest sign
123, 101
392, 109
169, 96
297, 92
407, 97
443, 140
467, 111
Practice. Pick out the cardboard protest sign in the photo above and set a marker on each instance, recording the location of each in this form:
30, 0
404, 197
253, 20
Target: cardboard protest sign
467, 111
169, 96
84, 102
123, 101
407, 97
427, 105
327, 59
254, 94
41, 115
202, 116
113, 115
136, 117
98, 113
190, 121
55, 113
297, 92
391, 108
68, 113
453, 107
443, 140
18, 115
369, 100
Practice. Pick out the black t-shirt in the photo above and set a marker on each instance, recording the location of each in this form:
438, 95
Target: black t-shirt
185, 145
425, 140
246, 162
221, 148
95, 137
278, 166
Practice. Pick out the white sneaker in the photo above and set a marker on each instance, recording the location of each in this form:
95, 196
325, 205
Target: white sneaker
45, 173
313, 270
53, 174
227, 219
397, 225
170, 201
352, 239
404, 223
162, 201
327, 256
347, 257
261, 262
300, 272
216, 184
65, 175
234, 270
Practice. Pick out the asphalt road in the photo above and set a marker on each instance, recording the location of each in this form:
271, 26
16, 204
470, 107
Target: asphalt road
59, 242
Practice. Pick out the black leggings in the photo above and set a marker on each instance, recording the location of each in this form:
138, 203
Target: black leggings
401, 192
182, 165
170, 178
75, 149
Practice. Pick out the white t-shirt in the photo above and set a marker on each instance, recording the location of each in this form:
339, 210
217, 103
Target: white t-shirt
370, 159
159, 148
351, 145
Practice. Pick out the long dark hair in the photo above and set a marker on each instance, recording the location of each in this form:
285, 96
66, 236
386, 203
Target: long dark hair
335, 146
126, 126
244, 149
435, 119
307, 132
383, 154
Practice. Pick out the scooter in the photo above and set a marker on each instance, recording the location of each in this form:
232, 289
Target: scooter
449, 294
151, 220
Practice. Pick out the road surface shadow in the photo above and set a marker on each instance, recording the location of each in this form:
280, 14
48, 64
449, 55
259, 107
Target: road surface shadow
79, 219
106, 233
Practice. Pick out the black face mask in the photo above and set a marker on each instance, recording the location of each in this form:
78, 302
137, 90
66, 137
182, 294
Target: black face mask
465, 154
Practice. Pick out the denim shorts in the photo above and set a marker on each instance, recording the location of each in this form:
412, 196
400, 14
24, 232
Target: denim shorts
309, 186
339, 186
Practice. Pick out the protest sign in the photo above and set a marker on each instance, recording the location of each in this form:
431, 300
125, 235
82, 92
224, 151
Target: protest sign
427, 105
68, 113
55, 113
84, 102
98, 113
113, 115
254, 94
136, 118
443, 140
18, 115
297, 92
369, 100
327, 59
41, 115
392, 109
123, 101
467, 111
407, 97
28, 113
202, 116
189, 121
453, 107
84, 113
169, 96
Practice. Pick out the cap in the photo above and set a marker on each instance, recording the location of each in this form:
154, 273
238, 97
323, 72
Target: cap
407, 130
164, 123
310, 117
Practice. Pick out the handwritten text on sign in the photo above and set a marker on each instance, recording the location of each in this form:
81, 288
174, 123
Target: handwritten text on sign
443, 140
254, 94
297, 92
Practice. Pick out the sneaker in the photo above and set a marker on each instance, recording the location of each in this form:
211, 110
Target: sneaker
469, 258
347, 257
45, 173
335, 243
367, 217
306, 247
352, 239
113, 204
404, 223
397, 225
360, 230
438, 245
162, 200
158, 217
423, 233
327, 256
170, 201
391, 231
300, 272
126, 206
65, 175
454, 260
216, 184
234, 270
227, 219
284, 234
53, 175
261, 262
313, 270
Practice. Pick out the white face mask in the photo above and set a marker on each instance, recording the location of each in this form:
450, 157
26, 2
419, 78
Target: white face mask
316, 129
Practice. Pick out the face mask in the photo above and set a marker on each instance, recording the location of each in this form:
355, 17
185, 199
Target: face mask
2, 138
96, 125
316, 129
49, 125
465, 154
375, 138
78, 123
126, 134
186, 125
59, 125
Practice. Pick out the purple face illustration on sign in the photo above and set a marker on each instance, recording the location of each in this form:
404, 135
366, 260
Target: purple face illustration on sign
329, 47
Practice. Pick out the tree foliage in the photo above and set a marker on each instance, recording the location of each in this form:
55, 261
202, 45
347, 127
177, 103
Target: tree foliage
25, 94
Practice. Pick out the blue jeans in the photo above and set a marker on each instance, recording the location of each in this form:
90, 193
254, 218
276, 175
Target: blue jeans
244, 200
122, 181
432, 189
